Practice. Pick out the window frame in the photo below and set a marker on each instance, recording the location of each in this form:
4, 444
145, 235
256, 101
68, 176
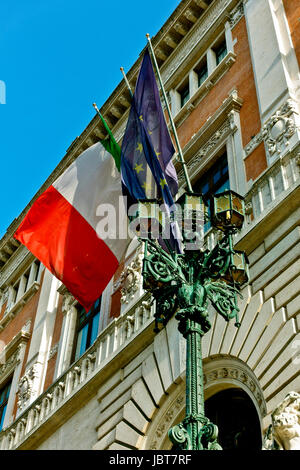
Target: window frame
220, 163
81, 323
220, 50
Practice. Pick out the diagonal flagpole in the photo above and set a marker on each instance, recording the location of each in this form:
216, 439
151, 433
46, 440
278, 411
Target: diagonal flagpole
104, 122
112, 145
181, 157
126, 81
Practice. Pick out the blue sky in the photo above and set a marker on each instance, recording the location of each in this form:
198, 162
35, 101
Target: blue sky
57, 57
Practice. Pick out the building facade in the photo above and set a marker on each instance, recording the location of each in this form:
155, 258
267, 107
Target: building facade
105, 380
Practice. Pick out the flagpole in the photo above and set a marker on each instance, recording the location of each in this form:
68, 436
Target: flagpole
126, 81
103, 121
182, 160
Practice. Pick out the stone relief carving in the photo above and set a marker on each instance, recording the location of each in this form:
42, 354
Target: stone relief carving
208, 147
68, 300
240, 376
236, 14
284, 432
277, 131
164, 425
10, 363
254, 142
131, 277
26, 388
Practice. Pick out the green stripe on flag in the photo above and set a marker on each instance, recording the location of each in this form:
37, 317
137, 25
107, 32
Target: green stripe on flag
111, 145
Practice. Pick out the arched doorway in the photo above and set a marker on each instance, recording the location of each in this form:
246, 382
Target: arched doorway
233, 411
231, 391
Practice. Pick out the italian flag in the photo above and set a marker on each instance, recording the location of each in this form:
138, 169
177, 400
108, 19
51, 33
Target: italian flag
61, 229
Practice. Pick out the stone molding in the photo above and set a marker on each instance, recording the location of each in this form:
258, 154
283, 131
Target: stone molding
236, 14
11, 354
27, 389
11, 312
68, 301
279, 128
130, 278
236, 372
218, 11
15, 265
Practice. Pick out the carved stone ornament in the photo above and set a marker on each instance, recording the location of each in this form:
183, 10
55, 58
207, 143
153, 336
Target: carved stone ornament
284, 433
236, 14
279, 128
130, 278
207, 148
26, 386
7, 366
68, 300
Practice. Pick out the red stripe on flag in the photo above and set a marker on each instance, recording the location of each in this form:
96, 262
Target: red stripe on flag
68, 246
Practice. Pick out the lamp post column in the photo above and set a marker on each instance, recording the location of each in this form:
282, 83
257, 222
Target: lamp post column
195, 416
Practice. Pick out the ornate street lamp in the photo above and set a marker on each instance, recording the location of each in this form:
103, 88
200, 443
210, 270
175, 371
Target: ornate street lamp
183, 283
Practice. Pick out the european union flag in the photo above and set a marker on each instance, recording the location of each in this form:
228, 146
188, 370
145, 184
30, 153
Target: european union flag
147, 149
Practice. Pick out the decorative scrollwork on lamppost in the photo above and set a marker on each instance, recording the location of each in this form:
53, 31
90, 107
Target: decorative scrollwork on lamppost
183, 283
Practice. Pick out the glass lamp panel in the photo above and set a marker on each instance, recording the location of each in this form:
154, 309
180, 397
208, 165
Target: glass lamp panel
238, 260
222, 203
237, 204
239, 271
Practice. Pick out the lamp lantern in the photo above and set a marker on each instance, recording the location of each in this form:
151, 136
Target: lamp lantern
228, 210
192, 216
238, 272
148, 219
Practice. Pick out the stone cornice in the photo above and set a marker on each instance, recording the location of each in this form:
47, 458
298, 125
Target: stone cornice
16, 263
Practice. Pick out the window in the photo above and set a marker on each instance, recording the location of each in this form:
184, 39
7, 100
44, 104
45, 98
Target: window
202, 72
87, 328
4, 394
15, 291
184, 94
214, 180
220, 51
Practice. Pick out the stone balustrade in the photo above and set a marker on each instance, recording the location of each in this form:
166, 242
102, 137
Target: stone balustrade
272, 185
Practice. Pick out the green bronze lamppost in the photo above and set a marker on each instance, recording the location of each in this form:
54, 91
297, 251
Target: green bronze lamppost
182, 284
